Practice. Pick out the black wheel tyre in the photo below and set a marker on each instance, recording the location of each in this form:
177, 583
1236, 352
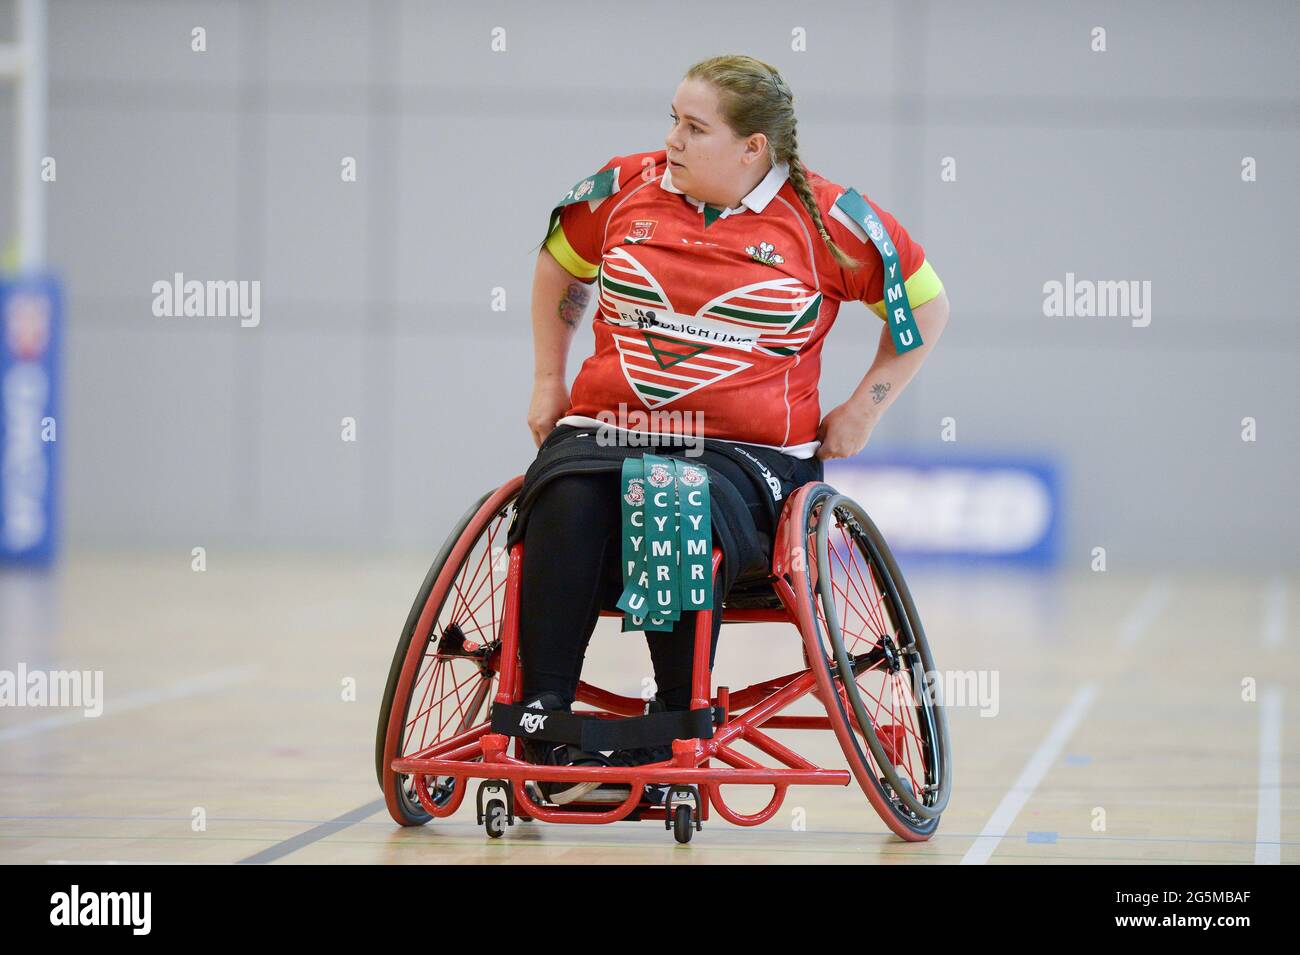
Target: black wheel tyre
904, 816
683, 827
408, 631
494, 819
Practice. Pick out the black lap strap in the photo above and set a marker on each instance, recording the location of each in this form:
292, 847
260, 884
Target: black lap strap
593, 734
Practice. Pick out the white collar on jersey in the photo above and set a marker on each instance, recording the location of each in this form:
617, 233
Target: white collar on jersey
757, 199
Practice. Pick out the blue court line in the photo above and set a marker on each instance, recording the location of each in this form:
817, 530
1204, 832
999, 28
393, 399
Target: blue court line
315, 834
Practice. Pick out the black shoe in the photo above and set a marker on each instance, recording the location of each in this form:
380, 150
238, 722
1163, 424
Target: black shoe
546, 753
644, 755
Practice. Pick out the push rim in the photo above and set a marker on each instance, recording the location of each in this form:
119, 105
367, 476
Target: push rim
865, 615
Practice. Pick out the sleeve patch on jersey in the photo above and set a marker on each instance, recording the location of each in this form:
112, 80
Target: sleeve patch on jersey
594, 190
558, 245
922, 285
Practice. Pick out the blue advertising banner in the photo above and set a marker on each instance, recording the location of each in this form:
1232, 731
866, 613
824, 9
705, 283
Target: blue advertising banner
972, 508
30, 309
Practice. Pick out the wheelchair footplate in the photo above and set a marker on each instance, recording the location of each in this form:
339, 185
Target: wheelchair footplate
601, 733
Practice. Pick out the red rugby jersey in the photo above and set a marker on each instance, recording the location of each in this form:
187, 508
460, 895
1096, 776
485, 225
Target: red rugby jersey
721, 312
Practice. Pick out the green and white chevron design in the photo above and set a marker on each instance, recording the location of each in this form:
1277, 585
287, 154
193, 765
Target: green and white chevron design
671, 354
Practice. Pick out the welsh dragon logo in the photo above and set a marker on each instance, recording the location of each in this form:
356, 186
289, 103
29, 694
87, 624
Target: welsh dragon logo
635, 495
659, 476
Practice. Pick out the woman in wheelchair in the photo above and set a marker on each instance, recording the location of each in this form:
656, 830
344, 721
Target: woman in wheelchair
719, 264
690, 454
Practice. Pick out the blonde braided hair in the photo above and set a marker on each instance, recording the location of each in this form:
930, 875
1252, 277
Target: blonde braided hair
754, 98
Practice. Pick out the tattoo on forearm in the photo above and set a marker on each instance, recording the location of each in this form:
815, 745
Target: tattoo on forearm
574, 303
878, 392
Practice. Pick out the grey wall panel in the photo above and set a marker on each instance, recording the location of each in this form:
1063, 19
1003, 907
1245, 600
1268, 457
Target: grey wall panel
592, 49
462, 429
315, 224
321, 45
309, 479
126, 44
148, 430
376, 295
1168, 49
141, 195
8, 20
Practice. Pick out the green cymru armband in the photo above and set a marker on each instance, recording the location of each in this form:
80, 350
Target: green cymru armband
898, 311
591, 189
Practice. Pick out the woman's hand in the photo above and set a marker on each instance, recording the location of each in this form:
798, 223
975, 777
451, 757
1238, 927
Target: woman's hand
845, 431
550, 401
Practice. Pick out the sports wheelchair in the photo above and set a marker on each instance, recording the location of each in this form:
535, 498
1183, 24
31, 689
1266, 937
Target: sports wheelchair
866, 659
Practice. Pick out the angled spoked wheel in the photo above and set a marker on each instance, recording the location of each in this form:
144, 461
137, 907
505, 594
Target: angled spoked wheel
444, 670
885, 707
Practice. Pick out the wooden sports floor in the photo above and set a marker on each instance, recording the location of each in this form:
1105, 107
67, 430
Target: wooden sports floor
1118, 733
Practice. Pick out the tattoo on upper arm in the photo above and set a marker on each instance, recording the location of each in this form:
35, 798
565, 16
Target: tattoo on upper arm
878, 392
574, 303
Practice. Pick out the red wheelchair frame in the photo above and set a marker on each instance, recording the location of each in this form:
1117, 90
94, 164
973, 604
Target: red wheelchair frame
437, 770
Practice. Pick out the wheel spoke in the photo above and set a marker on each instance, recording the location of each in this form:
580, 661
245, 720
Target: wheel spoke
899, 720
437, 704
485, 560
879, 617
843, 616
433, 673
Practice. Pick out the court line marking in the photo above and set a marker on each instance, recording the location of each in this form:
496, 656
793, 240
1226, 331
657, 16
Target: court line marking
116, 862
886, 850
315, 834
459, 831
1268, 820
1275, 613
195, 686
1049, 750
1138, 620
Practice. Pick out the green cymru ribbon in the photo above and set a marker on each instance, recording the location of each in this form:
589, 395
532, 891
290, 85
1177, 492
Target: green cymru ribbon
661, 538
898, 311
667, 547
696, 538
635, 599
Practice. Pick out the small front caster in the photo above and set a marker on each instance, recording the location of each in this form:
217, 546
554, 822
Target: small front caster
494, 818
494, 814
683, 825
682, 811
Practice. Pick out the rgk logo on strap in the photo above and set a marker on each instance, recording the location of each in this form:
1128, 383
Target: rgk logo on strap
532, 722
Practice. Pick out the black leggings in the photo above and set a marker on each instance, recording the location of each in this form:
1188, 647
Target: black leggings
572, 550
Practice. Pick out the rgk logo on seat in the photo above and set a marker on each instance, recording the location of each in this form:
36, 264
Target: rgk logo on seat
532, 722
